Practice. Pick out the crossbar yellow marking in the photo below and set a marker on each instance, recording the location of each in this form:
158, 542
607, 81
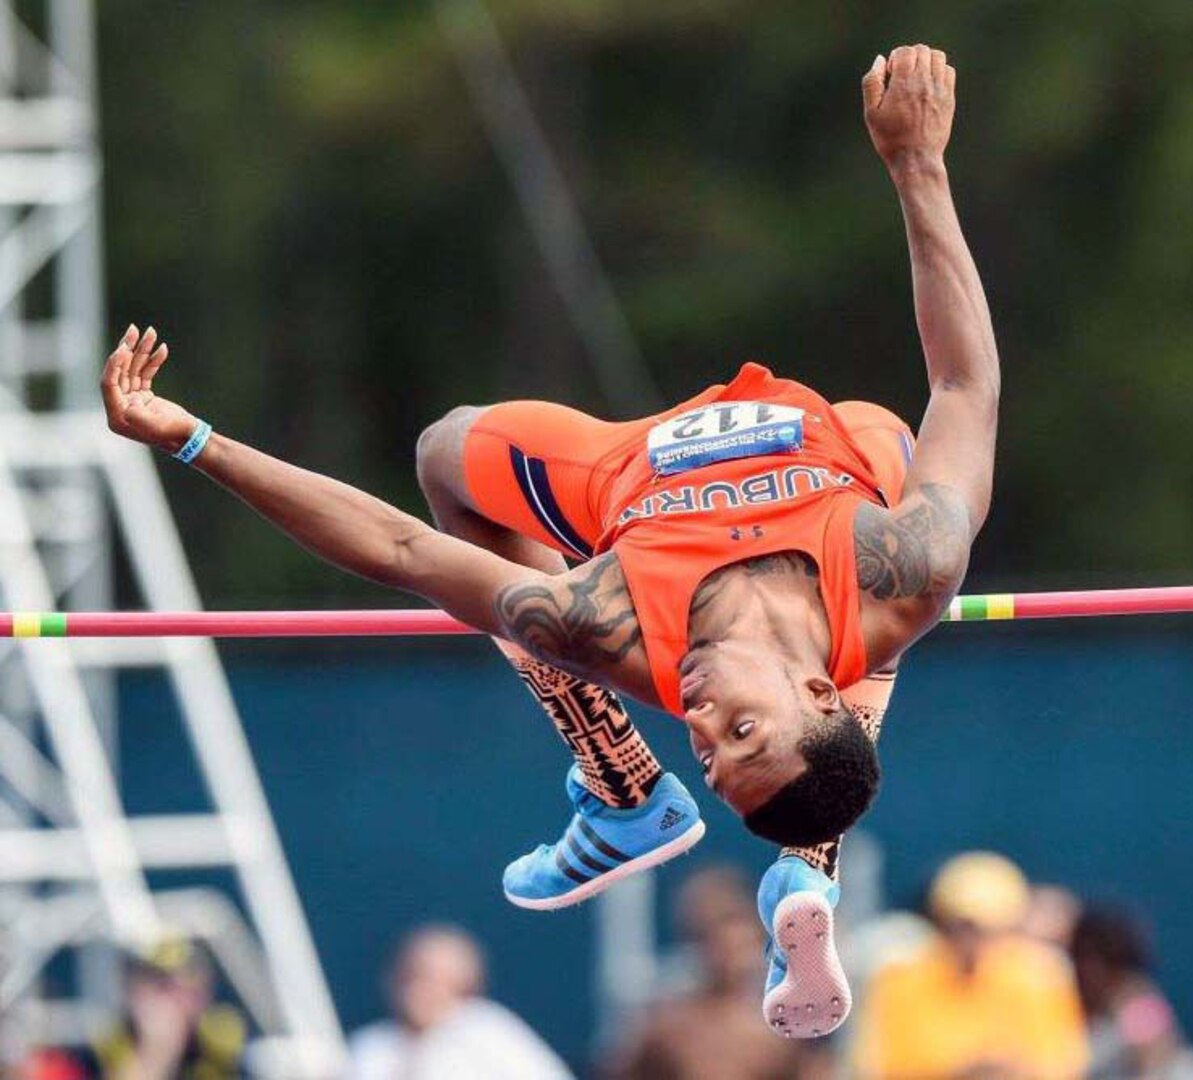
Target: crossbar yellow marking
26, 624
1000, 606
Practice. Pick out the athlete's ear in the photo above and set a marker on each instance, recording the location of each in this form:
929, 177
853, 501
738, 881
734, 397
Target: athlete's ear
823, 693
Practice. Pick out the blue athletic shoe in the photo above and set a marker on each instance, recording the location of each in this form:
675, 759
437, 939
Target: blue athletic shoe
602, 845
806, 994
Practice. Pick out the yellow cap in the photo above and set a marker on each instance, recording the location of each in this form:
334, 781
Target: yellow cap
168, 955
982, 888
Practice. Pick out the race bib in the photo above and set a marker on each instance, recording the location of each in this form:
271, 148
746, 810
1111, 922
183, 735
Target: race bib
724, 431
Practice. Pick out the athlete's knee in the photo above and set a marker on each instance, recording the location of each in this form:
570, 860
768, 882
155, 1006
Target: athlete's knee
439, 453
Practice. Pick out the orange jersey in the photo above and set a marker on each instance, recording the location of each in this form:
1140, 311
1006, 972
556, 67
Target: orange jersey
672, 531
758, 466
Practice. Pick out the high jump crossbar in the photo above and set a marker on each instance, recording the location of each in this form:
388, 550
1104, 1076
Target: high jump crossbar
77, 624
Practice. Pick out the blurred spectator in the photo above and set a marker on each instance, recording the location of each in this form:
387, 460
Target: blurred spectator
172, 1028
709, 895
443, 1029
980, 999
705, 898
715, 1030
1133, 1032
1052, 912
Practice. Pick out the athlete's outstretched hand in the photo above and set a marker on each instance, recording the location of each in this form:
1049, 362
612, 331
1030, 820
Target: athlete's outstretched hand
133, 409
909, 104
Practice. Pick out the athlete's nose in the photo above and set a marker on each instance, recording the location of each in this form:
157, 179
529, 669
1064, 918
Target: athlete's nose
698, 712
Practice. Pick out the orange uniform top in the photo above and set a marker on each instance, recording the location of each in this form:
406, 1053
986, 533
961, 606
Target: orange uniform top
760, 466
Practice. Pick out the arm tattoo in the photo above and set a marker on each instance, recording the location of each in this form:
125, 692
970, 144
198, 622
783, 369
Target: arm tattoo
916, 550
587, 625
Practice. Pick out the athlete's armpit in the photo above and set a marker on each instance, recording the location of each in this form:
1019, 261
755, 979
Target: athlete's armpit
918, 550
582, 621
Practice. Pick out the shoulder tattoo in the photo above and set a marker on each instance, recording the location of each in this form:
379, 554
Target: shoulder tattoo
919, 549
584, 620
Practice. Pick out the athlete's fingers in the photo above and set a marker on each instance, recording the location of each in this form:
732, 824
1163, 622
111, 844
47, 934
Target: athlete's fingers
114, 382
939, 63
141, 358
902, 60
110, 389
874, 83
143, 351
122, 346
923, 59
110, 379
131, 336
127, 350
154, 366
950, 78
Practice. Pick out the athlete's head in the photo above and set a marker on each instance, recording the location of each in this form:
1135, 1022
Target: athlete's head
777, 744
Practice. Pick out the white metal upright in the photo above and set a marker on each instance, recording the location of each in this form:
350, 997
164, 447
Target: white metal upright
72, 862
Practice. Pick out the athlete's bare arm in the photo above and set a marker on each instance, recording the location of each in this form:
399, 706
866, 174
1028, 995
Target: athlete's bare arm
912, 559
582, 621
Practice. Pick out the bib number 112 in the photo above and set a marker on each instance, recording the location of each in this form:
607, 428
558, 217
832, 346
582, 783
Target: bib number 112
725, 431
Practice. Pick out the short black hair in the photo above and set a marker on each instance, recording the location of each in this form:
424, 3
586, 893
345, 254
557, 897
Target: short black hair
837, 787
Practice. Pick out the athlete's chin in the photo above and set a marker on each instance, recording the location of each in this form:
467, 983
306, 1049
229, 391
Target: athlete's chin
751, 786
743, 802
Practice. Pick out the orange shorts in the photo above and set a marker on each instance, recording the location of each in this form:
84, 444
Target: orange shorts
543, 469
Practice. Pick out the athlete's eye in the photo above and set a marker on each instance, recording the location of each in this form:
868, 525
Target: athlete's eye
706, 763
743, 729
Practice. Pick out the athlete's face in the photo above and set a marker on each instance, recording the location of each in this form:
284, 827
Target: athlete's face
746, 712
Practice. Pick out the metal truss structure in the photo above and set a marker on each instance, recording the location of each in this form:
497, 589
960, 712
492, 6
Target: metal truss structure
73, 864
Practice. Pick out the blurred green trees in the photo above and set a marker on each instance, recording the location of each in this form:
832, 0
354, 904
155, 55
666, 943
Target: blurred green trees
302, 196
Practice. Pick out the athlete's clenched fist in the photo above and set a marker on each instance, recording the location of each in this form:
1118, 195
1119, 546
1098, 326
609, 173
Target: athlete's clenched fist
909, 103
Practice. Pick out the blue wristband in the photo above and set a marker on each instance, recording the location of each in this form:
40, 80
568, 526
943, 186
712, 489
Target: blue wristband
194, 445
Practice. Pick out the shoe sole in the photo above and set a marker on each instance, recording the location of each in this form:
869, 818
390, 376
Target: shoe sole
813, 999
590, 889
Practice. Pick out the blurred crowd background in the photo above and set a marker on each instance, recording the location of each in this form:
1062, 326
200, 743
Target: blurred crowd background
307, 199
993, 978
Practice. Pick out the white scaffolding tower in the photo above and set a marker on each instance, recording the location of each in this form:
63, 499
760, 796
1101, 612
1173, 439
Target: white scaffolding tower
72, 863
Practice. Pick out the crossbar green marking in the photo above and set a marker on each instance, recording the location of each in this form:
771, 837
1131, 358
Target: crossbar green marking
983, 608
973, 607
39, 624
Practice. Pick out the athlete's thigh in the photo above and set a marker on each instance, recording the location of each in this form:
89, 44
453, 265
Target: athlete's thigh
535, 467
885, 439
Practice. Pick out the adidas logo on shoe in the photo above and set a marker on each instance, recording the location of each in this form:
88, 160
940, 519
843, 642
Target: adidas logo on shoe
671, 818
601, 846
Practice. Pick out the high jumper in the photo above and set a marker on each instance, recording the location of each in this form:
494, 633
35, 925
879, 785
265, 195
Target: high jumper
753, 560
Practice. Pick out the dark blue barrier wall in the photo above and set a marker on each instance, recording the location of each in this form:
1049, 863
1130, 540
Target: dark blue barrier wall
403, 780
